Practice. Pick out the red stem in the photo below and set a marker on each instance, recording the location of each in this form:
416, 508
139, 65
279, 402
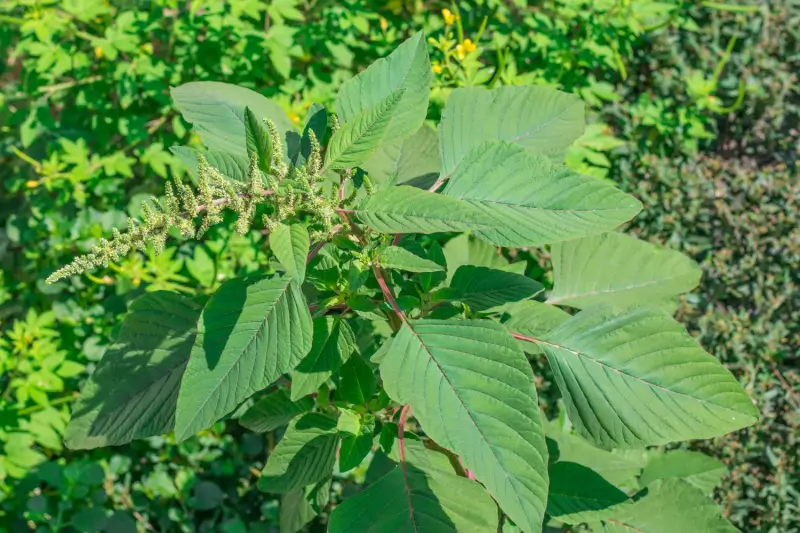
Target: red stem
401, 430
387, 293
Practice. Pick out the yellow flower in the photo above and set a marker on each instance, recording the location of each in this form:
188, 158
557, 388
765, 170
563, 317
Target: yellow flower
449, 18
469, 46
460, 53
294, 117
384, 24
31, 184
437, 69
98, 52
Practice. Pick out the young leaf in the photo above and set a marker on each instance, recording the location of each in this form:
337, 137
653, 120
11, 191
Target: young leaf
579, 494
133, 391
290, 244
471, 389
406, 209
251, 331
539, 119
635, 378
217, 113
273, 411
402, 259
316, 121
424, 496
356, 381
531, 201
698, 469
305, 454
618, 269
483, 288
669, 506
333, 343
356, 440
533, 319
358, 139
413, 161
433, 279
257, 139
406, 69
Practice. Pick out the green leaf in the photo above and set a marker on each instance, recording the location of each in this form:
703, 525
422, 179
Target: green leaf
635, 378
619, 269
667, 507
305, 454
696, 468
291, 244
356, 381
207, 496
471, 389
333, 343
253, 330
531, 201
217, 113
483, 288
231, 166
402, 259
316, 121
407, 209
413, 161
133, 392
356, 441
406, 69
533, 319
433, 279
300, 506
579, 494
358, 139
422, 495
541, 120
273, 411
257, 140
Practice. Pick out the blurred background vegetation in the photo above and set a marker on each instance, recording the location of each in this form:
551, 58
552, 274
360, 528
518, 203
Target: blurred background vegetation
693, 106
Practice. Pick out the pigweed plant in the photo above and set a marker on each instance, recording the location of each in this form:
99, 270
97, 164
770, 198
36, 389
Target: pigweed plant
368, 340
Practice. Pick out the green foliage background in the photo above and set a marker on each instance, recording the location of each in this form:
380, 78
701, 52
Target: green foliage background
694, 109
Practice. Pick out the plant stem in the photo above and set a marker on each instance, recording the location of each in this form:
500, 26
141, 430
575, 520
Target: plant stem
401, 429
387, 293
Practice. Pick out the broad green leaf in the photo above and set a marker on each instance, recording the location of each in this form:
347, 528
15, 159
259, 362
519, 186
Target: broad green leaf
133, 392
413, 161
483, 288
333, 343
698, 469
422, 495
300, 506
290, 244
636, 378
382, 351
471, 389
253, 330
618, 467
466, 250
541, 120
231, 166
217, 113
356, 381
406, 69
305, 454
579, 494
407, 209
670, 506
533, 319
358, 139
258, 140
402, 259
618, 269
531, 201
274, 410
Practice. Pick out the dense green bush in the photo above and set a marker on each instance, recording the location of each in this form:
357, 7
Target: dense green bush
85, 84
